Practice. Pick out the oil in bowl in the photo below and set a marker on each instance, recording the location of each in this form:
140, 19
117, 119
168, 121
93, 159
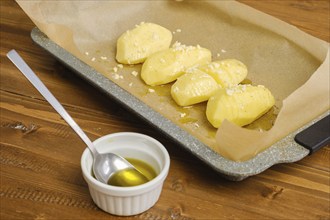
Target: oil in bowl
131, 177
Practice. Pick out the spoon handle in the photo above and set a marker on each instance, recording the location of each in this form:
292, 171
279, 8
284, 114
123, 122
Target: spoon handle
36, 82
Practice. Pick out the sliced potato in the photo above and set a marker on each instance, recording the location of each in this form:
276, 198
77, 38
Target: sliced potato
167, 65
135, 45
241, 104
227, 73
193, 87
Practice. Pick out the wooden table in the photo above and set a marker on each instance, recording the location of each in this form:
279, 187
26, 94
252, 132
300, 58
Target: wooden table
40, 154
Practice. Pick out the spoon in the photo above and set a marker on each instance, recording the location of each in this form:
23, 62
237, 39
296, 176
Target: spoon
107, 167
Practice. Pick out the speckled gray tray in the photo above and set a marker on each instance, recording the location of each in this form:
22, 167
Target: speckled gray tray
284, 151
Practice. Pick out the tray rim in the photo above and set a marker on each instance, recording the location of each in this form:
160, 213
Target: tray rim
235, 171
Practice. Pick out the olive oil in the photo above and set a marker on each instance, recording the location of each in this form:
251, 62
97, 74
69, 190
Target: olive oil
131, 177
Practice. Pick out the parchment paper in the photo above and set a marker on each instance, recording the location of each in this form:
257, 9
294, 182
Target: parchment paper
291, 63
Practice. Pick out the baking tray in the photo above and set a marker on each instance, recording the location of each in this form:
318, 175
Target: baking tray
283, 151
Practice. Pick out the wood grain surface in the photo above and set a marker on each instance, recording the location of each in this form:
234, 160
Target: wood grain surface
40, 155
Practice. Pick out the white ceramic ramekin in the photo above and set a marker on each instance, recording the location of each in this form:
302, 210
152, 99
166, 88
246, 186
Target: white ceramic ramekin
125, 201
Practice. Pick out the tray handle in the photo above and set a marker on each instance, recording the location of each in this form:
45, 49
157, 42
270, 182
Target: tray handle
316, 136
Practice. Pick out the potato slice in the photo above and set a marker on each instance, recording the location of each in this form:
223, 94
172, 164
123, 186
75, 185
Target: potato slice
227, 73
135, 45
193, 87
167, 65
241, 104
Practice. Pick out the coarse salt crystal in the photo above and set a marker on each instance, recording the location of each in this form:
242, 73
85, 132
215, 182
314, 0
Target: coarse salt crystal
176, 44
230, 92
103, 58
151, 90
120, 66
116, 76
155, 36
93, 59
86, 53
176, 89
134, 73
115, 69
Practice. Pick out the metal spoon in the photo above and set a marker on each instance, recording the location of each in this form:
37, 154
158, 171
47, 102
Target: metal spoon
104, 165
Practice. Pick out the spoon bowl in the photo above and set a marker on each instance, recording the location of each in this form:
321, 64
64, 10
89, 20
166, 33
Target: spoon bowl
105, 165
117, 171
